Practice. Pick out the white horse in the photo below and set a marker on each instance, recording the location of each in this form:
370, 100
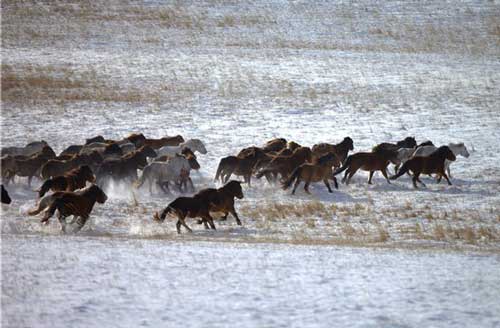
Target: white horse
174, 170
456, 148
193, 144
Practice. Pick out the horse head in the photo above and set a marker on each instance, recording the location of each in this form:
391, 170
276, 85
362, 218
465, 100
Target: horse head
234, 188
348, 142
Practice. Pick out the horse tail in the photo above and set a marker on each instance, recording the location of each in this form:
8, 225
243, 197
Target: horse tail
163, 215
404, 168
45, 187
219, 169
288, 182
344, 167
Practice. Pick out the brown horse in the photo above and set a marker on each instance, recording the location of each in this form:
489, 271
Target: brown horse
222, 199
242, 166
375, 161
79, 204
28, 167
165, 141
285, 165
340, 150
30, 149
274, 145
56, 167
200, 204
321, 170
126, 166
434, 163
72, 180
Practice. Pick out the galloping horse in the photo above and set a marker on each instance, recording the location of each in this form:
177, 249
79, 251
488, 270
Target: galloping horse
340, 150
434, 163
72, 180
456, 148
377, 160
193, 144
79, 204
200, 204
319, 171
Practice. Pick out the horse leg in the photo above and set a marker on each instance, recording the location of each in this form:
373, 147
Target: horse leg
233, 212
62, 222
384, 173
209, 219
335, 183
350, 176
80, 223
185, 225
191, 184
416, 178
29, 180
345, 175
446, 177
447, 166
370, 177
306, 187
297, 182
327, 185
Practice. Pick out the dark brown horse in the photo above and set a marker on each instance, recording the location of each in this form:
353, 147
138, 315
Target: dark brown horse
222, 199
5, 196
56, 167
200, 204
71, 150
126, 166
79, 204
285, 165
375, 161
408, 142
340, 150
70, 181
242, 166
321, 170
165, 141
434, 163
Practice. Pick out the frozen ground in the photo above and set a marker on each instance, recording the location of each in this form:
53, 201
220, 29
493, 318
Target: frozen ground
86, 281
236, 75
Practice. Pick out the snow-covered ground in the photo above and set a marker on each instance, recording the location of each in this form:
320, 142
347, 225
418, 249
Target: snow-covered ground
235, 75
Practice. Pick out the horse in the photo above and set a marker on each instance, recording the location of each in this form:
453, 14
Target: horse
187, 153
174, 170
242, 166
111, 150
30, 167
72, 180
98, 138
126, 166
163, 142
72, 150
456, 148
434, 163
340, 150
321, 170
377, 160
292, 145
56, 167
192, 144
5, 196
408, 142
200, 204
285, 165
222, 200
275, 145
28, 150
79, 204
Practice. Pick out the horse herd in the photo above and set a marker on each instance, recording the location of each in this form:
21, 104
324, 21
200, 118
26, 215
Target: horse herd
168, 161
